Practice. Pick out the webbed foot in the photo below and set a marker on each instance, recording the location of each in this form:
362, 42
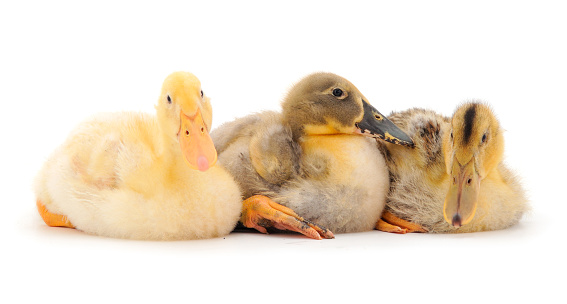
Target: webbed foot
52, 219
393, 224
260, 212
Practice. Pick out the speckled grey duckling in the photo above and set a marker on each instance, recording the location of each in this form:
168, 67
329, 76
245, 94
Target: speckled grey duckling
311, 160
454, 179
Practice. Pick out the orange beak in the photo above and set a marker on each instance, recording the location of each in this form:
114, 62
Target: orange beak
196, 145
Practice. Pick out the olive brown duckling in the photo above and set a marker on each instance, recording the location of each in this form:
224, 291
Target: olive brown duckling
313, 165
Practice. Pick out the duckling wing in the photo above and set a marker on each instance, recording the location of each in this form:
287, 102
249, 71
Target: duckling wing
263, 144
274, 154
231, 132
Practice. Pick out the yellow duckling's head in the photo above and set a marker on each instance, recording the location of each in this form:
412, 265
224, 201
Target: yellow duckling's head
325, 103
473, 148
185, 116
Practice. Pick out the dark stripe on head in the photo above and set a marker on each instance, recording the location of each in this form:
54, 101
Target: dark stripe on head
469, 121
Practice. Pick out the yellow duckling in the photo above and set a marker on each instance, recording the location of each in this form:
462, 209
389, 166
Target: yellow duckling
311, 159
137, 176
454, 179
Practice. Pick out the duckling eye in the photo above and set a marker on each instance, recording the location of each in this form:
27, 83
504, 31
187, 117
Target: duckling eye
168, 99
337, 92
484, 138
202, 94
451, 135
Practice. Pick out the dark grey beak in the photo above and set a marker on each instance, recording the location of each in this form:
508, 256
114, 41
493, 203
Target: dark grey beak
375, 124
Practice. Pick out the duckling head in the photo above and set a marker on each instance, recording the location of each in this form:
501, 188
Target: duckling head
472, 149
185, 117
325, 104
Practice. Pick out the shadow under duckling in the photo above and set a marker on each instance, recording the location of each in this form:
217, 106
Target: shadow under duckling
137, 176
317, 159
454, 179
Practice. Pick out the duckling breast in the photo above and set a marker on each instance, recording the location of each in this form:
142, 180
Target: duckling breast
343, 184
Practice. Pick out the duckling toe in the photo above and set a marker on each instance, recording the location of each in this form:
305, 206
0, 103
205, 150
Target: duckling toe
393, 224
387, 227
296, 225
52, 219
260, 212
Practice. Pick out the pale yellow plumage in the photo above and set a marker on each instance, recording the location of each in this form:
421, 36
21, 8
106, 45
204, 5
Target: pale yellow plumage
124, 174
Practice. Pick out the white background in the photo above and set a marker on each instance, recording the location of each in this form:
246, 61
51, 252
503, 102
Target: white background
63, 61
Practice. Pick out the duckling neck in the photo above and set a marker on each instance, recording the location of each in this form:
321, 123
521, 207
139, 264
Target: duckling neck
336, 156
169, 151
315, 130
297, 133
300, 129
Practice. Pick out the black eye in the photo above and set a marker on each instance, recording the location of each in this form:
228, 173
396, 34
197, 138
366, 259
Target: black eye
451, 135
168, 99
338, 92
484, 138
202, 94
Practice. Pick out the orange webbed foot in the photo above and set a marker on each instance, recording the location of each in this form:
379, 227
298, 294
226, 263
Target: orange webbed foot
393, 224
52, 219
260, 212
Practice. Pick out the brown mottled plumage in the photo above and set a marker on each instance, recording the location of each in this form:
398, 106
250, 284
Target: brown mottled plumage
421, 178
